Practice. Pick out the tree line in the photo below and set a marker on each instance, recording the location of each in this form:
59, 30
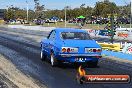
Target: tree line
101, 9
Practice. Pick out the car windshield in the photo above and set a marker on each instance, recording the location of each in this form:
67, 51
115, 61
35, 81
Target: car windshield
75, 35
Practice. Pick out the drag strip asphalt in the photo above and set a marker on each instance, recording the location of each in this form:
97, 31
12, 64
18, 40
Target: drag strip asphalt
26, 57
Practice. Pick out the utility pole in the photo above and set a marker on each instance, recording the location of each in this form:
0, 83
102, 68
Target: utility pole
131, 15
7, 8
27, 11
112, 27
65, 16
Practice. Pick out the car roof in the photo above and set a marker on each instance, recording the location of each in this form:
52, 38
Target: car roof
69, 30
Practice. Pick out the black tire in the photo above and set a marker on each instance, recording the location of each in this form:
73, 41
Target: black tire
92, 64
42, 56
53, 60
79, 81
95, 64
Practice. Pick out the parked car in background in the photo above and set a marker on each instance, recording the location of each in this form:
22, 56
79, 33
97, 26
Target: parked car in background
70, 45
38, 21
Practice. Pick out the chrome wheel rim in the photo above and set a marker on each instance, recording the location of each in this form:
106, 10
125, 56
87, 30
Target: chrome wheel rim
41, 54
52, 60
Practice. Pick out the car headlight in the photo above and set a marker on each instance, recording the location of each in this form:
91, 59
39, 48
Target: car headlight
69, 50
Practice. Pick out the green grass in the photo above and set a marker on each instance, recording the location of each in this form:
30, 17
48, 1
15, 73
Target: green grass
86, 26
74, 25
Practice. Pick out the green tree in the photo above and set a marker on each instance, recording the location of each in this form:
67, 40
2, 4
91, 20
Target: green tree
125, 10
15, 12
105, 7
38, 9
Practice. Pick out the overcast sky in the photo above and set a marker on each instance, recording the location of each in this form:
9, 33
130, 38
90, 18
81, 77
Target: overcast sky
56, 4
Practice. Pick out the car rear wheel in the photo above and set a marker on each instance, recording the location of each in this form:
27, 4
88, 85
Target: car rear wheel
95, 64
53, 61
92, 64
42, 56
79, 81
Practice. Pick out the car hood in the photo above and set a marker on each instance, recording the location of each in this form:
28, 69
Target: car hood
80, 43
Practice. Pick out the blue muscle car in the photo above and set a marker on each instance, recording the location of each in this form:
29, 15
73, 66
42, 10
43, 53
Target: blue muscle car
70, 45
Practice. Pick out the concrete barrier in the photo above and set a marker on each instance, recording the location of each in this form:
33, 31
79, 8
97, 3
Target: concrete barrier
113, 47
127, 48
120, 33
92, 32
40, 28
124, 29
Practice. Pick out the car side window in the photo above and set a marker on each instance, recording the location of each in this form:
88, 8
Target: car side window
52, 35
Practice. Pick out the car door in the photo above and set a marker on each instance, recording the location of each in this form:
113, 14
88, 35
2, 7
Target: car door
51, 41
